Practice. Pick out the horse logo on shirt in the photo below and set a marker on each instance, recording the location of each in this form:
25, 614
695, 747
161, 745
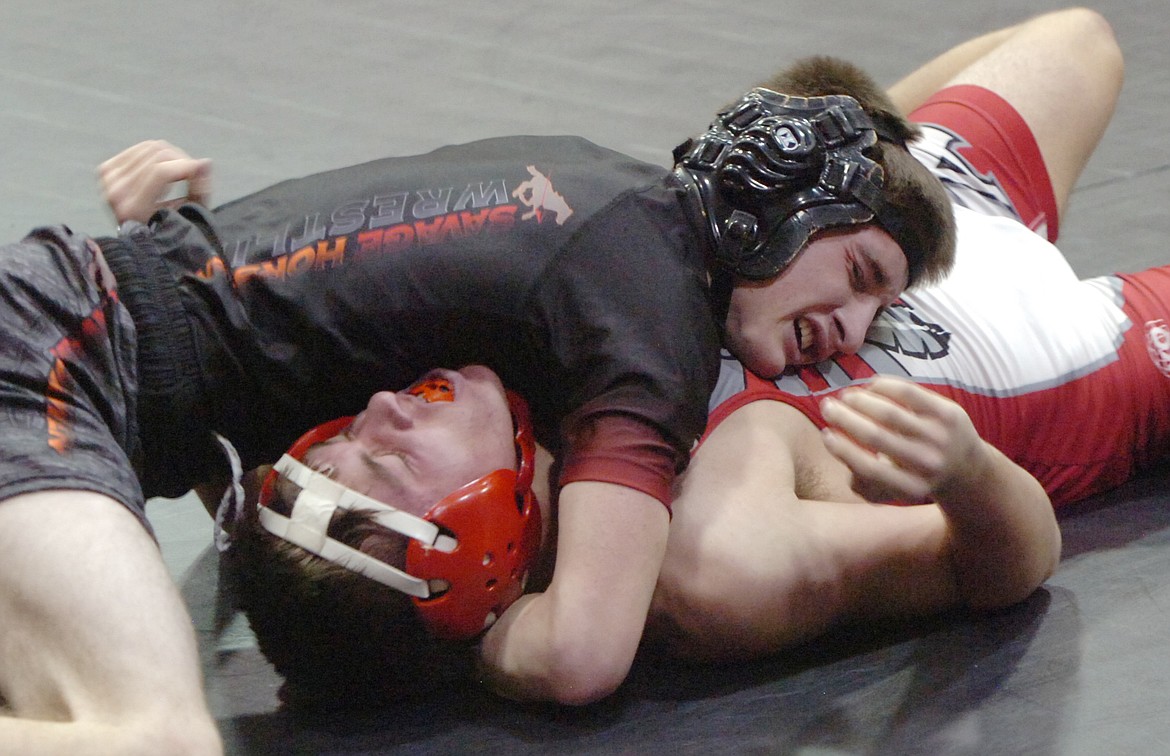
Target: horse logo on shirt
899, 330
538, 195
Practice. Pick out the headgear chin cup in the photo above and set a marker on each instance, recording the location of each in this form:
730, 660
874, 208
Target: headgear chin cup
496, 522
775, 169
468, 555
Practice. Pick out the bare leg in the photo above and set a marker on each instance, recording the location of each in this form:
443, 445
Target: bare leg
1061, 71
97, 653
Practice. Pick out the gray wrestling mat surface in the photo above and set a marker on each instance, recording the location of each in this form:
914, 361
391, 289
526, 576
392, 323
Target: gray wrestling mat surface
272, 90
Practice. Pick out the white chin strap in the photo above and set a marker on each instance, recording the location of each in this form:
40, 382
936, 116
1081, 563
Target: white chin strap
308, 525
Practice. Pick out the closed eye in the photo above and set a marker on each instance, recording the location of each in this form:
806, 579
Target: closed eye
382, 472
401, 457
871, 278
857, 275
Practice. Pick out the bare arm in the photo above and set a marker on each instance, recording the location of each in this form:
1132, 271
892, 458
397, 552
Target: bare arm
575, 642
136, 181
770, 547
904, 442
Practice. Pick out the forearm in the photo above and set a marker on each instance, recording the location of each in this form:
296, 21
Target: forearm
1004, 538
904, 442
575, 642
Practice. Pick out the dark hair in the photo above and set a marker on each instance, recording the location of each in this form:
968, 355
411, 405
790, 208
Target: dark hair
927, 231
337, 637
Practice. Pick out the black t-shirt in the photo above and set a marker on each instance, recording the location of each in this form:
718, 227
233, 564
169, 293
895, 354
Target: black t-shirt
569, 269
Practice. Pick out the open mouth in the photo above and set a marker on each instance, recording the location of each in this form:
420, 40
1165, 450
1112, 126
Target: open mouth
434, 388
805, 335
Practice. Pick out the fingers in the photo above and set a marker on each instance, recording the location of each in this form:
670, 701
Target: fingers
876, 476
199, 182
899, 439
136, 181
917, 399
882, 425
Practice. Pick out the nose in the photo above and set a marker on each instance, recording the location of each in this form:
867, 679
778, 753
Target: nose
853, 322
385, 409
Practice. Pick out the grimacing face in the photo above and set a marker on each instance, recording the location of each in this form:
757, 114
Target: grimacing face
821, 305
410, 450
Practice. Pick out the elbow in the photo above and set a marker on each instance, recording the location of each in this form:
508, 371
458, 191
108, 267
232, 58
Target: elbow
1001, 595
1017, 579
571, 661
563, 672
581, 677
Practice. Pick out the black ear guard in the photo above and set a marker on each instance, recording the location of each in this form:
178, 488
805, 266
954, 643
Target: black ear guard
773, 170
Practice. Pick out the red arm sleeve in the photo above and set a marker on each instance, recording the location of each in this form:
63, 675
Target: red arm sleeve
621, 449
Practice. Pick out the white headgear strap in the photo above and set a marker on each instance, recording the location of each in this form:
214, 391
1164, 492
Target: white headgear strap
308, 524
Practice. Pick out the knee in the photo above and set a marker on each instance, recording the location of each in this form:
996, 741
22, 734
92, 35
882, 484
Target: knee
1092, 36
197, 736
1096, 29
171, 733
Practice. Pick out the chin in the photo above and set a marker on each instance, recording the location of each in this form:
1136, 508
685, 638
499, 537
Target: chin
765, 368
758, 357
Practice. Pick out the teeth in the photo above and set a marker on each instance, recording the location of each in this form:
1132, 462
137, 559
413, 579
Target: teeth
804, 334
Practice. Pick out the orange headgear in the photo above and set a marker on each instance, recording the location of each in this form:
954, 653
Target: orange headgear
469, 554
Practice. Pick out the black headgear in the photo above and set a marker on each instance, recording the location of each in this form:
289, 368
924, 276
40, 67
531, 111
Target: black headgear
774, 169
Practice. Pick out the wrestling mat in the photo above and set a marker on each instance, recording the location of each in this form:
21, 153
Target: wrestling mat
272, 90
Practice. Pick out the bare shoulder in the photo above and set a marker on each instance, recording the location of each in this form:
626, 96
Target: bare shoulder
781, 435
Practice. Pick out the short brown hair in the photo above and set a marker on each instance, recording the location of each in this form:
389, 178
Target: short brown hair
337, 637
